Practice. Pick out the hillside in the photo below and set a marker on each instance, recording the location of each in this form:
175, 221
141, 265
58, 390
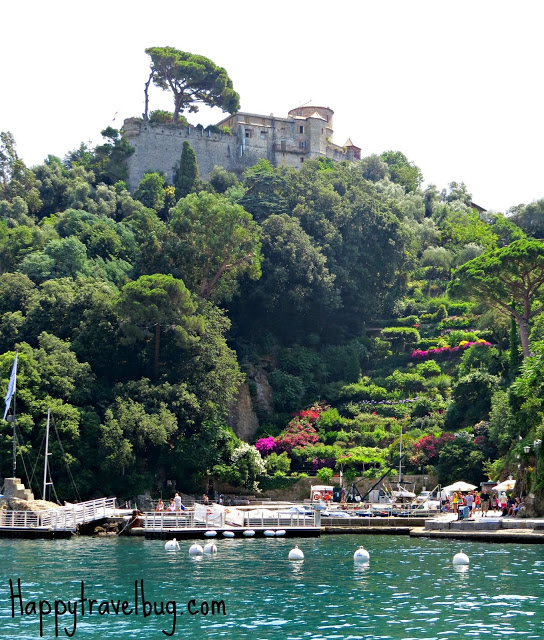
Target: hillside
355, 298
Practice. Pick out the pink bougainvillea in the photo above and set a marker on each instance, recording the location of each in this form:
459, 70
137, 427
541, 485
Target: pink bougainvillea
428, 447
419, 354
297, 434
266, 446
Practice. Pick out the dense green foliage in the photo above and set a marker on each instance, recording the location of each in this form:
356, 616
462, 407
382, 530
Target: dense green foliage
192, 79
328, 290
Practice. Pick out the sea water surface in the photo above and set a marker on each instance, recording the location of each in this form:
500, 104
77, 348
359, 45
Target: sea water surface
250, 589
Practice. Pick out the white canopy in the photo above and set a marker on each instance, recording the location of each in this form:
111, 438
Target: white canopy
507, 485
459, 486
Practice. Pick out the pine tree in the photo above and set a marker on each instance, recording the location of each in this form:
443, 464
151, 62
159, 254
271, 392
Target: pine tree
515, 355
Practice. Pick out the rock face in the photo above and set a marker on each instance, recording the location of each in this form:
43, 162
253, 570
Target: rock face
242, 419
243, 416
533, 506
144, 502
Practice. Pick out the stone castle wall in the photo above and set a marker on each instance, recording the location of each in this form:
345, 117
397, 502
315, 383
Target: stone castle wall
158, 148
281, 141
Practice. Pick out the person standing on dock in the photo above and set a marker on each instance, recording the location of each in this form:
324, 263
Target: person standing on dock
179, 505
477, 501
484, 500
455, 501
470, 502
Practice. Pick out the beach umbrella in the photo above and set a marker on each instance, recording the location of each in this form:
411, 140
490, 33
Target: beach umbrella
507, 485
459, 486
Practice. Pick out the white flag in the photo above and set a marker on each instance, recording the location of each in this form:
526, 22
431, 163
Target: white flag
11, 386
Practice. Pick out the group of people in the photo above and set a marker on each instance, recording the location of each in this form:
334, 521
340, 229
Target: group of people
482, 501
174, 506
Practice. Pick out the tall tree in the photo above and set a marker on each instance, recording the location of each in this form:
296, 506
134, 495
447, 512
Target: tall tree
402, 170
509, 279
186, 173
155, 301
192, 79
217, 242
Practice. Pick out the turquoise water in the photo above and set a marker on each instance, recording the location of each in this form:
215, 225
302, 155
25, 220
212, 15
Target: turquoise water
409, 590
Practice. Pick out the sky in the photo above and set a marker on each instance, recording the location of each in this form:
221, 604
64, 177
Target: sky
455, 85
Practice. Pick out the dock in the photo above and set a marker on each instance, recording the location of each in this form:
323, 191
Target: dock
206, 522
62, 522
494, 528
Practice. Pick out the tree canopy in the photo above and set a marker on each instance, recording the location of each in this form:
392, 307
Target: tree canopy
192, 79
509, 279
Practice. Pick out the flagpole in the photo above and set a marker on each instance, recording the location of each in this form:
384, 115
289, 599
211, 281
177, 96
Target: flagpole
11, 395
14, 452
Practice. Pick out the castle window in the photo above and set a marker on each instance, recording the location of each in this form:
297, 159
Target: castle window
301, 160
263, 135
302, 144
301, 128
248, 133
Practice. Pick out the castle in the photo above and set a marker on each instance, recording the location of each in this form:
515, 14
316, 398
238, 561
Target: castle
306, 133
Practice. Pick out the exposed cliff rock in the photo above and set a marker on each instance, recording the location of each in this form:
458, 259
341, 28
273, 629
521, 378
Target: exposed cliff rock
254, 398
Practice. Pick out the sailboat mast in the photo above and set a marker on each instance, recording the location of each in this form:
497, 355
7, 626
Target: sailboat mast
46, 453
14, 420
400, 456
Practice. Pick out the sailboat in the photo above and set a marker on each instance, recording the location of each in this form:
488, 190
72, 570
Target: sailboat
16, 487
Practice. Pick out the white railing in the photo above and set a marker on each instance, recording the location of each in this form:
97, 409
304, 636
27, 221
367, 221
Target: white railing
61, 519
164, 521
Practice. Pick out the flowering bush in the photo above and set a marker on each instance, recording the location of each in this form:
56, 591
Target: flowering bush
308, 415
319, 463
266, 446
297, 434
429, 446
418, 354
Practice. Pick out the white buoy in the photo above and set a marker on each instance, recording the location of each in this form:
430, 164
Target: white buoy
269, 533
249, 533
361, 555
172, 545
228, 534
280, 532
460, 559
296, 554
210, 547
210, 534
195, 550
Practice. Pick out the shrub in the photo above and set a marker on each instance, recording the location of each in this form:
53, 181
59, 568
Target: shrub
456, 337
330, 419
441, 382
405, 381
400, 337
428, 368
159, 116
275, 463
288, 390
441, 313
362, 391
212, 128
266, 446
325, 474
297, 434
472, 399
